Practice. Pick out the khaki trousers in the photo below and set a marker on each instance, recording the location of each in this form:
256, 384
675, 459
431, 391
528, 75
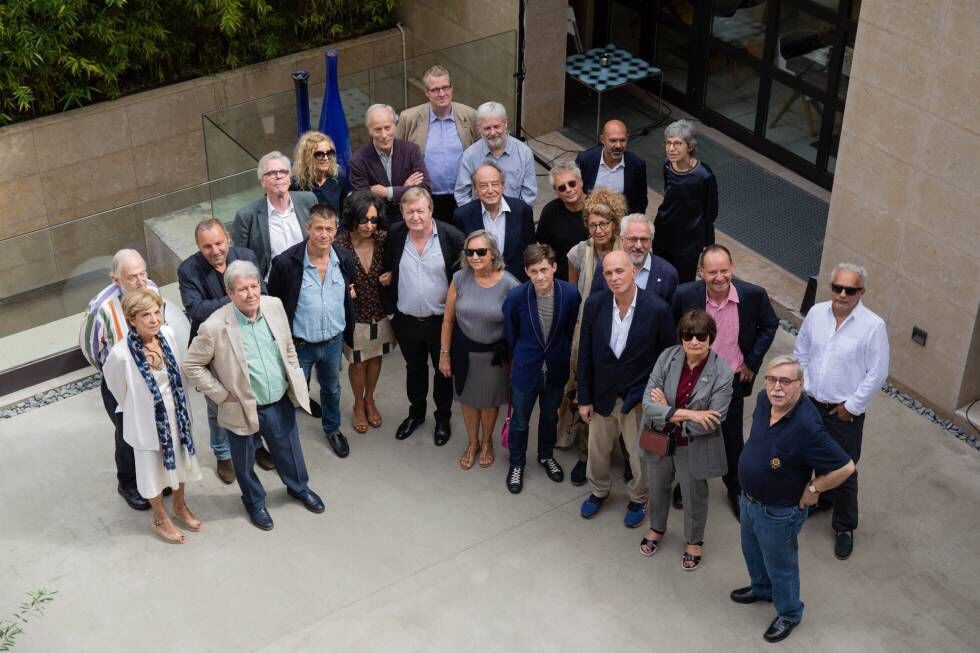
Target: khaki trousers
603, 436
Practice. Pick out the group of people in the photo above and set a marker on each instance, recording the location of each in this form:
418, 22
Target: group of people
625, 331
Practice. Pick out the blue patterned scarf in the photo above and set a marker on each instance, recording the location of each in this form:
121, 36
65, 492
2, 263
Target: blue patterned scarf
159, 408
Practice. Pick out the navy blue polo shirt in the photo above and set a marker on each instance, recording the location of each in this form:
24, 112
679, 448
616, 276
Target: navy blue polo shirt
778, 461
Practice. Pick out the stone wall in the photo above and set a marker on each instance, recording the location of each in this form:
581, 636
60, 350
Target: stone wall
905, 198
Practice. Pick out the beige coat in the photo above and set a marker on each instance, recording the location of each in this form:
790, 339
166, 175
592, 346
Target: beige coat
215, 364
413, 124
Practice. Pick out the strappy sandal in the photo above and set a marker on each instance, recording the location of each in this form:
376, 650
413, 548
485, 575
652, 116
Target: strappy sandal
192, 523
689, 561
648, 547
468, 458
486, 454
359, 422
373, 416
158, 528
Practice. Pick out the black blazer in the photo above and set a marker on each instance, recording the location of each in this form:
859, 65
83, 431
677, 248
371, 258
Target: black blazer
450, 242
519, 232
602, 378
634, 176
286, 276
202, 290
757, 321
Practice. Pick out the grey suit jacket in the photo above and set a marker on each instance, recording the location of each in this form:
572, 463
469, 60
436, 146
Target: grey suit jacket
251, 226
215, 364
706, 449
413, 124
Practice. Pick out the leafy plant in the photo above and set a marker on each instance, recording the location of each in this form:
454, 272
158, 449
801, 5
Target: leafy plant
60, 54
32, 608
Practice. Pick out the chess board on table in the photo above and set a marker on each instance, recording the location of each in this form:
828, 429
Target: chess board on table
623, 68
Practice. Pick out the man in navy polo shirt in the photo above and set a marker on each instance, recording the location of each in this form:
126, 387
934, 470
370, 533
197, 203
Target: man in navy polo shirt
788, 444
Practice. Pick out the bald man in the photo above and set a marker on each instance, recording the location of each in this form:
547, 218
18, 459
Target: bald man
612, 166
623, 332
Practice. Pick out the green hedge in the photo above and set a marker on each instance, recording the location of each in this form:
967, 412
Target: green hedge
60, 54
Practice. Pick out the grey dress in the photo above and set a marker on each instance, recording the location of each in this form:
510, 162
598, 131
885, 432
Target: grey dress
479, 315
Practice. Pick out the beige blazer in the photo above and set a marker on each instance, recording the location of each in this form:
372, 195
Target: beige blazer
413, 124
215, 364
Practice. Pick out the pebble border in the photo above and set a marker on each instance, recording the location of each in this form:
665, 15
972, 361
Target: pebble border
90, 382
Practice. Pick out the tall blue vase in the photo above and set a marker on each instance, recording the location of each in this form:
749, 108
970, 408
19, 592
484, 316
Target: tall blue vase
301, 80
333, 122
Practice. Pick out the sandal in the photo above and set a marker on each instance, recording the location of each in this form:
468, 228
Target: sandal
689, 561
469, 457
359, 422
187, 518
486, 454
373, 416
647, 546
174, 537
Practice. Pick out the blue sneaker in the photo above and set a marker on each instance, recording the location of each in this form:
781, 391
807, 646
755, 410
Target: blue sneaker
635, 513
590, 507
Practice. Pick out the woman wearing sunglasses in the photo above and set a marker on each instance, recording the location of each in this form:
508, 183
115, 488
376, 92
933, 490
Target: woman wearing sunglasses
686, 400
472, 347
561, 225
363, 235
315, 169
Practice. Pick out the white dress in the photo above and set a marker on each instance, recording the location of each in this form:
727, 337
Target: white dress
151, 476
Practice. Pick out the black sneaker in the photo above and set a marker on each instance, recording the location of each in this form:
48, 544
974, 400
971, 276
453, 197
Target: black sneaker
515, 479
552, 469
577, 476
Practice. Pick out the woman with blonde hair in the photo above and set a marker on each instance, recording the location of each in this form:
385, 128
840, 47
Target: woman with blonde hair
143, 374
315, 169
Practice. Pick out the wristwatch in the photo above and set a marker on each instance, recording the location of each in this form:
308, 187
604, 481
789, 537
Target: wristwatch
813, 488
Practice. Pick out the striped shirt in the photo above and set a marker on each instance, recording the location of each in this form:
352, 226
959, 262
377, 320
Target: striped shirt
104, 324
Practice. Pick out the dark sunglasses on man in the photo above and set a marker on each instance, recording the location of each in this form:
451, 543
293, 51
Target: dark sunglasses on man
570, 184
837, 289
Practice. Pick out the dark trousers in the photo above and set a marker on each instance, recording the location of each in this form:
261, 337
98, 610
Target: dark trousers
733, 432
548, 398
844, 497
418, 340
125, 461
443, 207
277, 424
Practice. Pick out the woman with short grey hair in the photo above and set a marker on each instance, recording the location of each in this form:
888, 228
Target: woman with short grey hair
686, 217
472, 349
560, 224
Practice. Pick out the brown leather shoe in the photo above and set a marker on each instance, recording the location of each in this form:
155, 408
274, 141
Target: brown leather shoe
264, 459
226, 471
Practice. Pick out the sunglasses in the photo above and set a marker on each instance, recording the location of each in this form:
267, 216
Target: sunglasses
479, 251
366, 220
701, 336
837, 289
781, 381
563, 187
329, 154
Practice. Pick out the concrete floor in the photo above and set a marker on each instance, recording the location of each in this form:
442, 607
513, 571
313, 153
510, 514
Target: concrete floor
414, 554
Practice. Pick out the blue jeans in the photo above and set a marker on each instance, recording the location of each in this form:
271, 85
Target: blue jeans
548, 398
277, 425
326, 357
771, 554
219, 435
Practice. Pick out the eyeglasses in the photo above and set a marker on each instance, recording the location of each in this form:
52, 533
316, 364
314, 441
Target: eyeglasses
637, 239
837, 289
563, 187
276, 174
366, 220
599, 226
781, 381
701, 336
674, 144
329, 154
441, 89
478, 251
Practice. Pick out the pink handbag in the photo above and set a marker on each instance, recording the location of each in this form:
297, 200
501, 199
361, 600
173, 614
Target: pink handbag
505, 429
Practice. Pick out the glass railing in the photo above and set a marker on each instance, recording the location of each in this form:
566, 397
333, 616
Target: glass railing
48, 276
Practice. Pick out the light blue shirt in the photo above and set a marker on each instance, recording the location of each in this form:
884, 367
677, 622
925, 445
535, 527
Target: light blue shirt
422, 283
320, 309
443, 152
517, 162
497, 226
643, 274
